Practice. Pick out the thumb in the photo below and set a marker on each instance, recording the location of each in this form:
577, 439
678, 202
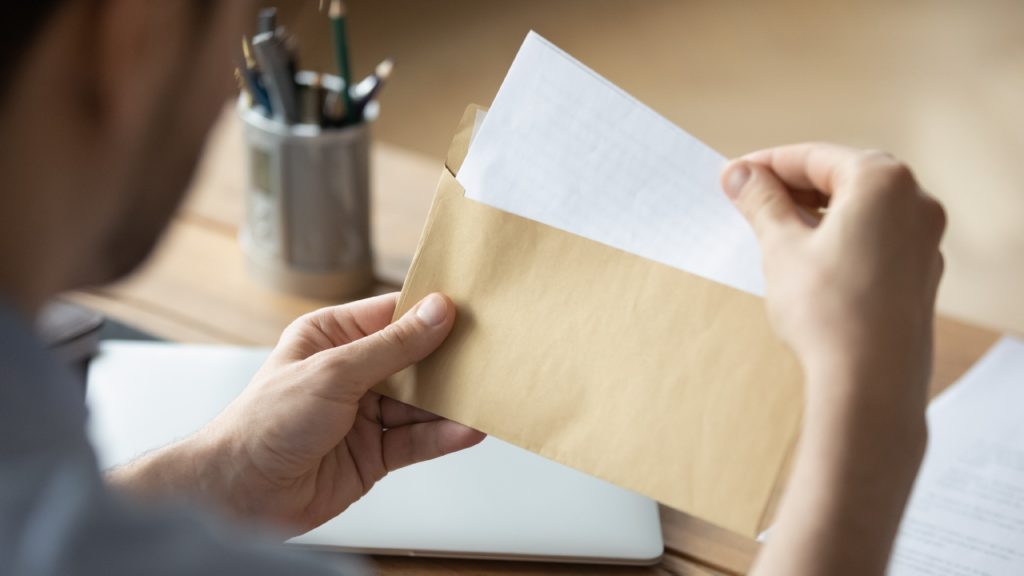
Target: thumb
411, 338
762, 198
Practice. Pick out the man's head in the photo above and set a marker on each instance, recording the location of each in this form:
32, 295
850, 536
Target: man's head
104, 106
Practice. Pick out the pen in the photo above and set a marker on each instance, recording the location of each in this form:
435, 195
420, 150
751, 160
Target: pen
251, 77
368, 88
254, 86
336, 12
273, 60
267, 20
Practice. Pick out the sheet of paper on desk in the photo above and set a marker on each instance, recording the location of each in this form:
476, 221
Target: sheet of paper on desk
966, 513
565, 147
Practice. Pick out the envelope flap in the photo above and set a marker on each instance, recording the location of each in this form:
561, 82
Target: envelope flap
463, 135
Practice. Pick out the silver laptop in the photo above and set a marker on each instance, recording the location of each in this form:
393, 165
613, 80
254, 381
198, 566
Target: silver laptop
492, 501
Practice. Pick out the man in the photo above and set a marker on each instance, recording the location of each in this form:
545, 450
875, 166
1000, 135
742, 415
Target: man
105, 104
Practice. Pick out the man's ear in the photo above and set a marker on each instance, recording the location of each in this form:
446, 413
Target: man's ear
139, 55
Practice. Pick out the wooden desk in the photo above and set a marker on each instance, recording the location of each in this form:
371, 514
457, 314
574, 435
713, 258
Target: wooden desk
195, 289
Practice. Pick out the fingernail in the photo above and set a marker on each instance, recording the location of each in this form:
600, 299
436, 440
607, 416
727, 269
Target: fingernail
736, 179
433, 310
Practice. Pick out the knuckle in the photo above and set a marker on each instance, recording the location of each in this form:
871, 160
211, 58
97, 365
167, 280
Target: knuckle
939, 217
771, 203
302, 322
762, 205
880, 173
896, 176
397, 335
765, 211
866, 161
291, 334
900, 173
878, 155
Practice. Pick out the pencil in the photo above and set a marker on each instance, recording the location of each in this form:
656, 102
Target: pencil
243, 87
336, 12
250, 63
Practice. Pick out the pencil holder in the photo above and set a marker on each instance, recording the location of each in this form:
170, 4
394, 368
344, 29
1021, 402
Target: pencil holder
307, 217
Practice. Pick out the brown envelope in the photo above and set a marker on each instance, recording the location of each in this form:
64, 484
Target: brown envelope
649, 377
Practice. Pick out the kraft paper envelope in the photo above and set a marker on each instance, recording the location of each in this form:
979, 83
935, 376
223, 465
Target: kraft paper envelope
607, 293
653, 378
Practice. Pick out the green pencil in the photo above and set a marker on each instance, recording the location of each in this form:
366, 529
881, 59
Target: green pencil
336, 13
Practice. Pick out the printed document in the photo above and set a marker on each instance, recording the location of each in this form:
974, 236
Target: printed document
966, 513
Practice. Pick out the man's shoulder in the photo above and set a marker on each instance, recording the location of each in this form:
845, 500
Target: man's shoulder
58, 516
41, 403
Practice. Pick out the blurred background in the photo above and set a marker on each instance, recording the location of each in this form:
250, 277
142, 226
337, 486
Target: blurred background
939, 83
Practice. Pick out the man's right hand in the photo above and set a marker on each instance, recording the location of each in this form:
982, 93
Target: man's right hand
852, 291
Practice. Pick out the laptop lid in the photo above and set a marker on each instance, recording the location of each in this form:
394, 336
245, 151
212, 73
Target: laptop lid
494, 500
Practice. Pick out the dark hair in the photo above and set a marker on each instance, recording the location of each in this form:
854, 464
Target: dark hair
18, 29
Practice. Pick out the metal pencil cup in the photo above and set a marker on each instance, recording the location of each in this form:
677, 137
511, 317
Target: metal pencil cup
307, 222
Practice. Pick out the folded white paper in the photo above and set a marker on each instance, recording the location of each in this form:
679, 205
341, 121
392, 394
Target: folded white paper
563, 146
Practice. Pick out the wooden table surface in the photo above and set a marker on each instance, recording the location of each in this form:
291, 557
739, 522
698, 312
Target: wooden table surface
196, 289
